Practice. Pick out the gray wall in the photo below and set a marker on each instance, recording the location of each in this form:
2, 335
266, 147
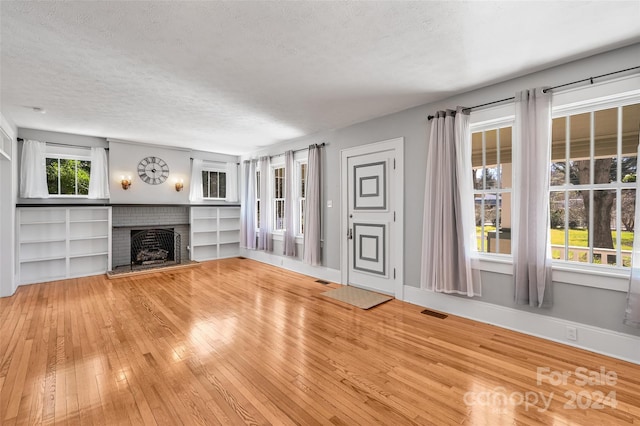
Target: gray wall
596, 307
8, 195
123, 159
586, 305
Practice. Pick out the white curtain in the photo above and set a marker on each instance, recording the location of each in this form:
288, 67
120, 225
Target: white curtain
33, 170
232, 183
265, 240
195, 185
289, 205
99, 175
632, 313
312, 252
530, 224
448, 241
248, 207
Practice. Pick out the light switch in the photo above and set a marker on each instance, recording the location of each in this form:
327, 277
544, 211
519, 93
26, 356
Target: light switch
329, 203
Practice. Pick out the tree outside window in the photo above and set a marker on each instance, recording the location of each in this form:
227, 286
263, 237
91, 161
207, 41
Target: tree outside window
592, 198
214, 184
66, 176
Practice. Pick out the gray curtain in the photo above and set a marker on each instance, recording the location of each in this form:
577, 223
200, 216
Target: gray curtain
265, 237
531, 245
632, 313
248, 207
289, 205
449, 243
312, 253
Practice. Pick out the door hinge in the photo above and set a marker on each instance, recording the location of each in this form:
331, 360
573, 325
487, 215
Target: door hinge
394, 273
394, 216
394, 164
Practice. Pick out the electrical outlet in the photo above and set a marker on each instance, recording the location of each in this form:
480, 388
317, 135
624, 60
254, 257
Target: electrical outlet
571, 333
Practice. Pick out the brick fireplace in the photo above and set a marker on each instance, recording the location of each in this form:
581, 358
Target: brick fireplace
126, 219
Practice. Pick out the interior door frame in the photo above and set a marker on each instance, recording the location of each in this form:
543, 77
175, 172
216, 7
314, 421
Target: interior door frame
396, 191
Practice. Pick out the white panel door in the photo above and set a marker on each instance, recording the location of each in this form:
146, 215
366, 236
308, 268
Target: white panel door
370, 178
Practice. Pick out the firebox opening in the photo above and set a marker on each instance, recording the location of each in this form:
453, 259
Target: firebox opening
154, 248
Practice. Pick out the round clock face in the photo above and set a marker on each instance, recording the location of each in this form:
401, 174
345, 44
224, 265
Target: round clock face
153, 170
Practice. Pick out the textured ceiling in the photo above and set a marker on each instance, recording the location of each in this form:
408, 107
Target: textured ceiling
234, 76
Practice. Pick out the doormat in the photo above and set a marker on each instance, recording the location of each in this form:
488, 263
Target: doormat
363, 299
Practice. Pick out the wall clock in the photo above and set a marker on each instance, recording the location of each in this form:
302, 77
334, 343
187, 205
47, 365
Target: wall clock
153, 170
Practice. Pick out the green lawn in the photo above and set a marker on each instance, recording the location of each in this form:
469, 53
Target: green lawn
580, 238
577, 237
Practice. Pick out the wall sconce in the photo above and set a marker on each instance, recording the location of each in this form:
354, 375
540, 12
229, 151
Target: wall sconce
179, 185
125, 182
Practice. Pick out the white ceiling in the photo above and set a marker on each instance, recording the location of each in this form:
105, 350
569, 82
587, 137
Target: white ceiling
231, 77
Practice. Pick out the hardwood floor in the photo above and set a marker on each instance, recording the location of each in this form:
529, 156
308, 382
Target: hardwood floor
239, 342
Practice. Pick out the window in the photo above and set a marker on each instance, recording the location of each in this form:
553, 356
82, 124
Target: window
67, 176
302, 180
492, 174
275, 197
592, 185
214, 184
257, 219
278, 198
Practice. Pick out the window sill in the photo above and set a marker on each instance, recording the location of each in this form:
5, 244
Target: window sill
608, 278
279, 236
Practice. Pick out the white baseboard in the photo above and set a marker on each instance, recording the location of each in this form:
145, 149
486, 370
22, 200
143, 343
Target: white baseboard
295, 265
594, 339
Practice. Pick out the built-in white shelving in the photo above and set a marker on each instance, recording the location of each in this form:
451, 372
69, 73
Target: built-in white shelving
63, 242
215, 232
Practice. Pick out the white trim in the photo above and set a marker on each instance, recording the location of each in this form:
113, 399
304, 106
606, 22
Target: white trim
614, 92
279, 236
483, 121
291, 264
214, 168
611, 93
595, 339
149, 145
82, 153
218, 170
8, 175
397, 243
619, 91
582, 274
299, 220
274, 199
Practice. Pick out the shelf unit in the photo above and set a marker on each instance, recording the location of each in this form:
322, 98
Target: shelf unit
215, 232
63, 242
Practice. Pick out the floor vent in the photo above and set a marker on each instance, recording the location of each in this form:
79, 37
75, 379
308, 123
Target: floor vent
434, 314
241, 257
323, 282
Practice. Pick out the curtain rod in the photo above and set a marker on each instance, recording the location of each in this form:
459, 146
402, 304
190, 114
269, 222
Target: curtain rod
66, 145
318, 145
590, 79
212, 161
